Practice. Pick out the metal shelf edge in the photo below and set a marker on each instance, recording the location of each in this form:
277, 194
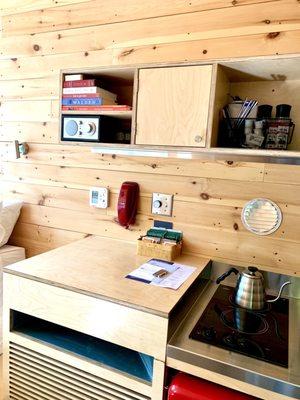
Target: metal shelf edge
206, 154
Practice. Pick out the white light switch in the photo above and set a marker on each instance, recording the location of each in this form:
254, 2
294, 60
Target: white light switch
162, 204
99, 197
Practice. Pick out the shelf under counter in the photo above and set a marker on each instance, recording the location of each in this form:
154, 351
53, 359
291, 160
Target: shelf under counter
122, 360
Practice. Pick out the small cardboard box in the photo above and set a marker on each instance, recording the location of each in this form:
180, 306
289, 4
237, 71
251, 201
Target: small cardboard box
159, 250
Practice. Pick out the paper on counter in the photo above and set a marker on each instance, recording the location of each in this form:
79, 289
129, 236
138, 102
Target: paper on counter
177, 278
177, 273
145, 272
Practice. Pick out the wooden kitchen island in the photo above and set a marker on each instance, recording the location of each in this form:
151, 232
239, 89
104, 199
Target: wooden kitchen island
76, 328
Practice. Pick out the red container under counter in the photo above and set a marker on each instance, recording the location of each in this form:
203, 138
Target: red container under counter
187, 387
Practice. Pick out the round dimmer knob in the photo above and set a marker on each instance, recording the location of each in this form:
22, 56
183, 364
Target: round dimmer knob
157, 204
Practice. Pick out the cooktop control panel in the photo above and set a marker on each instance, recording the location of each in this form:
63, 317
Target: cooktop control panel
83, 128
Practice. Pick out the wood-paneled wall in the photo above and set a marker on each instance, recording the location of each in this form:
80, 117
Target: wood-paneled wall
40, 37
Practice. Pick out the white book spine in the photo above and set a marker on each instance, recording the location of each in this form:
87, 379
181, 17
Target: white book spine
76, 77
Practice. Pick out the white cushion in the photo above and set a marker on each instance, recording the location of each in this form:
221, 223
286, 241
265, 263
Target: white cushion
9, 214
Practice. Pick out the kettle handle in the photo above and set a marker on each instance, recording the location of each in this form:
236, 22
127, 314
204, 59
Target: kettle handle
230, 271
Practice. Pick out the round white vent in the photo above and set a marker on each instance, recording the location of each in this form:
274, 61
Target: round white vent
261, 216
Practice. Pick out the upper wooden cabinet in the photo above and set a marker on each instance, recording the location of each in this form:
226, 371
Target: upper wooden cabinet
173, 105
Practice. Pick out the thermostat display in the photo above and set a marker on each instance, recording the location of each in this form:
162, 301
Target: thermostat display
99, 197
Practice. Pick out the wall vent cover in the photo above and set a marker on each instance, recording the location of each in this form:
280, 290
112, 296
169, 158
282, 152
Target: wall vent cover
261, 216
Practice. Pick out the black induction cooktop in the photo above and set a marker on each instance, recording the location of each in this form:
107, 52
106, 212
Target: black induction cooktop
260, 334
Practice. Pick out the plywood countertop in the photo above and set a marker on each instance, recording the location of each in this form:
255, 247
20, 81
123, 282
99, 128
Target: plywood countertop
97, 267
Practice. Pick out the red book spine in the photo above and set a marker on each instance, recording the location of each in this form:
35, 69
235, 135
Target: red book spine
81, 83
116, 107
96, 108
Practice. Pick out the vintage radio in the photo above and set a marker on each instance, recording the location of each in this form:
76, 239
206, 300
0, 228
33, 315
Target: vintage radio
85, 128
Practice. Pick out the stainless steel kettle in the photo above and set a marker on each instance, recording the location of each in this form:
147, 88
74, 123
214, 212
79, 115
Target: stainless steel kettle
250, 289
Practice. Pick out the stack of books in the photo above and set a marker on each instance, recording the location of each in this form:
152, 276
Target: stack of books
83, 94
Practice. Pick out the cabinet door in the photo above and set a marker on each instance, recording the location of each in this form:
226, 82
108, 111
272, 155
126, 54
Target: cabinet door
173, 105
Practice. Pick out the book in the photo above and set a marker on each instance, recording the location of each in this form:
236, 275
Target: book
93, 96
81, 83
82, 96
90, 89
97, 101
73, 77
96, 108
116, 107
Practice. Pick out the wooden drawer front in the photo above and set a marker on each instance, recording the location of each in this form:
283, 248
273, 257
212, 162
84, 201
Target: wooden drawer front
40, 372
109, 321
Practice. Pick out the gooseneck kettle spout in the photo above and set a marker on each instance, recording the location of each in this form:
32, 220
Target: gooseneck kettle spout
279, 293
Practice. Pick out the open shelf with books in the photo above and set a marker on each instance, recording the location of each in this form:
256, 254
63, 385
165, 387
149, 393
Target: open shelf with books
96, 105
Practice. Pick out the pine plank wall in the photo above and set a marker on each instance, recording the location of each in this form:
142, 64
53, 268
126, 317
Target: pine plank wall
40, 37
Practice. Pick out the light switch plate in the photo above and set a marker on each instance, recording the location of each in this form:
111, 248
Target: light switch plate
99, 197
162, 204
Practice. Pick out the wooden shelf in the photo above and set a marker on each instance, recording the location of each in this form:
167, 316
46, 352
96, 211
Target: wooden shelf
115, 114
269, 81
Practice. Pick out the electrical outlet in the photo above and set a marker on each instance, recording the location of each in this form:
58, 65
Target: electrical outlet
99, 197
162, 204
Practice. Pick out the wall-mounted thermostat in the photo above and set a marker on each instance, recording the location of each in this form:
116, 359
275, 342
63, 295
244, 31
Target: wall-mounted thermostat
99, 197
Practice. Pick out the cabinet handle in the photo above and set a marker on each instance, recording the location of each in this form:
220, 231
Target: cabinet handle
20, 149
198, 138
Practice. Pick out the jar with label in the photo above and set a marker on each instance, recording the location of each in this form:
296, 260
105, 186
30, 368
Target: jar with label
280, 129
